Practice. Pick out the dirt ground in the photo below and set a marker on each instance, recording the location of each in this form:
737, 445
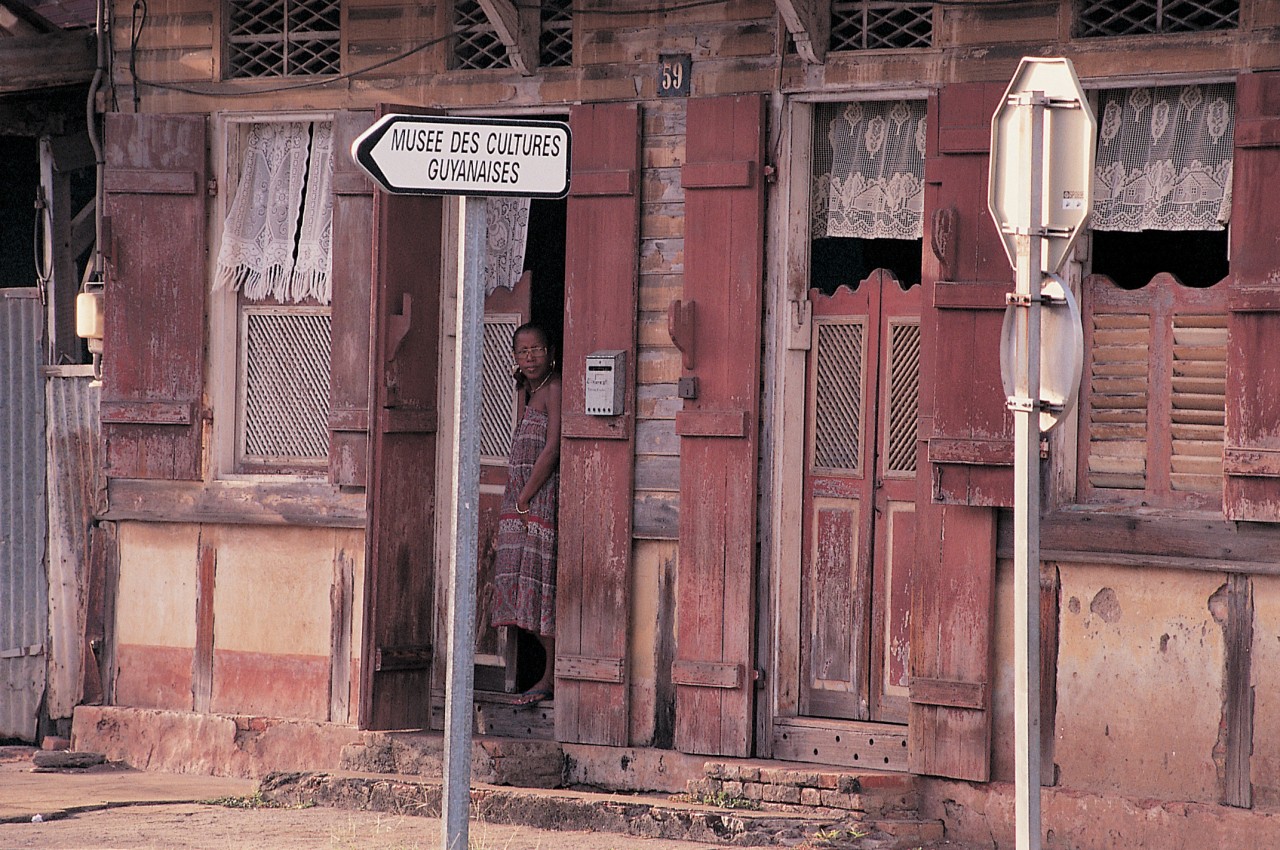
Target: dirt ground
209, 827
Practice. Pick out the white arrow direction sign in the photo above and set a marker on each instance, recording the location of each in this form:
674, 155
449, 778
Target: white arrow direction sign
444, 155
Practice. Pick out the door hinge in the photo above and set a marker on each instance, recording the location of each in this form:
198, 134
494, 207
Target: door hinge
212, 188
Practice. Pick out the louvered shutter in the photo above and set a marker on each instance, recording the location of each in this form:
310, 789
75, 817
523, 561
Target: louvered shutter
597, 453
967, 444
153, 361
1252, 456
1154, 396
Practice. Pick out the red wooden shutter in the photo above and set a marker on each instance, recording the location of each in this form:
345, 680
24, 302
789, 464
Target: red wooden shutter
1251, 459
153, 360
597, 452
400, 551
723, 183
969, 445
349, 321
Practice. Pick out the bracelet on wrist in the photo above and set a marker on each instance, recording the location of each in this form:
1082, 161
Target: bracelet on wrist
525, 511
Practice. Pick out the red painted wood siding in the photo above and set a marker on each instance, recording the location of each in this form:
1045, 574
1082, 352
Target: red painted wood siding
966, 444
1251, 460
349, 321
723, 181
593, 608
153, 361
407, 241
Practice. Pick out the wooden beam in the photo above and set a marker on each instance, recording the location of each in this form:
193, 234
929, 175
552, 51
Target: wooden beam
809, 22
18, 19
41, 61
518, 28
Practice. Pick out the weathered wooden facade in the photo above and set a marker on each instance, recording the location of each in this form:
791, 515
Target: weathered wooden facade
794, 540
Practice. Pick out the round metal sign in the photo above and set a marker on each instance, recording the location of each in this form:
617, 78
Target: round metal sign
1061, 351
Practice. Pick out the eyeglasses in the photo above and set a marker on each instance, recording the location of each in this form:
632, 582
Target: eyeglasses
531, 350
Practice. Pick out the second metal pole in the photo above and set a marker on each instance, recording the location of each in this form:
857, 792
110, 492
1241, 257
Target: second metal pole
460, 675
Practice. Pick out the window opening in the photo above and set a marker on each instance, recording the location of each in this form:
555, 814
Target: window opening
283, 38
275, 253
867, 192
1147, 17
1154, 395
476, 44
556, 42
879, 25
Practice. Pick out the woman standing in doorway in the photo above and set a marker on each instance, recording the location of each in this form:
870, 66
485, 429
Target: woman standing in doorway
525, 571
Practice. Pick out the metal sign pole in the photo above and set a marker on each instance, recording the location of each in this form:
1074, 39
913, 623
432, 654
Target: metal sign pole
460, 675
1026, 471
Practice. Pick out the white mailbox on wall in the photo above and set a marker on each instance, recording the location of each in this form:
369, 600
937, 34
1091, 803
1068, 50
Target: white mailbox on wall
606, 382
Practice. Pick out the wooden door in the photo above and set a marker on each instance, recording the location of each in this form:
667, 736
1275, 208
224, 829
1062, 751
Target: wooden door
501, 406
397, 653
597, 453
862, 404
723, 180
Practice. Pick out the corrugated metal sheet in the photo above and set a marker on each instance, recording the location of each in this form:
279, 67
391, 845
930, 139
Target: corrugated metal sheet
23, 588
71, 430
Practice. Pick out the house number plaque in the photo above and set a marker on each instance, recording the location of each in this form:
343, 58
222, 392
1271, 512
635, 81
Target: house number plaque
673, 75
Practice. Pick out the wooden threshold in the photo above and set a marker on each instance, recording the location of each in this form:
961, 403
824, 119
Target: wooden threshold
849, 743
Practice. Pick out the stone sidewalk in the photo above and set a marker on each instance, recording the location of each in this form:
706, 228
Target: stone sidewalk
25, 792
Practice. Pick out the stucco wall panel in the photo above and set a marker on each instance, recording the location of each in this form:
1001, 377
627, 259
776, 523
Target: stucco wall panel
1140, 672
156, 602
272, 591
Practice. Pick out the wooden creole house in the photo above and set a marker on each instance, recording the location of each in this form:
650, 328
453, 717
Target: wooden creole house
794, 541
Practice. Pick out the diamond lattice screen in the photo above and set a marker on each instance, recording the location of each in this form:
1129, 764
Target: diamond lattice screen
555, 47
837, 396
476, 45
497, 400
285, 384
904, 397
282, 38
1145, 17
880, 25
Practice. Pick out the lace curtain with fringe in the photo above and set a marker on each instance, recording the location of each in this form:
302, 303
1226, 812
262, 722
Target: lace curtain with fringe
508, 229
265, 251
1164, 158
868, 170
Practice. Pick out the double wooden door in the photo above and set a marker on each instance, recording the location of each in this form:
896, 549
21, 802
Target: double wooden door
862, 407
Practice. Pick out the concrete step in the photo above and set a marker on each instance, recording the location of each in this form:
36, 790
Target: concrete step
649, 816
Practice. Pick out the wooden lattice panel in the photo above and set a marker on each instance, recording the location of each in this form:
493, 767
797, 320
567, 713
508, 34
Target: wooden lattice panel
1118, 398
497, 399
904, 398
285, 384
837, 398
880, 25
1198, 400
1143, 17
476, 45
281, 38
555, 47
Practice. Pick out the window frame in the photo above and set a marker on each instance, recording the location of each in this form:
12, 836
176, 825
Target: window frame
224, 360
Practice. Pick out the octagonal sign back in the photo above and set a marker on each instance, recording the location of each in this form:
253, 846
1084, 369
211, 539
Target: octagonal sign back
1066, 169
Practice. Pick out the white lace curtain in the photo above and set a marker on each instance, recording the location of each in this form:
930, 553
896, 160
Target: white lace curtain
508, 230
266, 251
868, 170
1164, 158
